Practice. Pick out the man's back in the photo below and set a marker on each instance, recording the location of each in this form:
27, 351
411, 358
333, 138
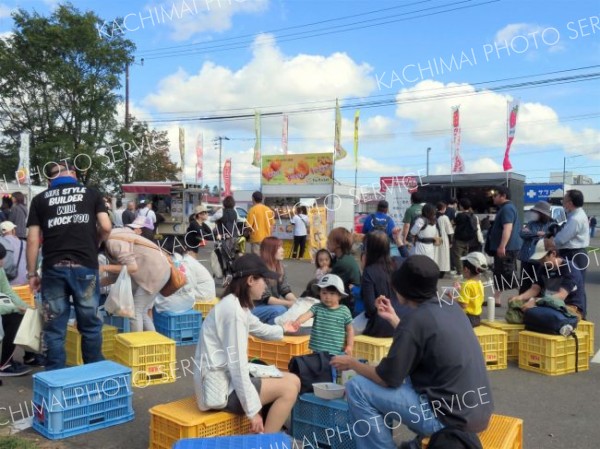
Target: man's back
66, 215
260, 219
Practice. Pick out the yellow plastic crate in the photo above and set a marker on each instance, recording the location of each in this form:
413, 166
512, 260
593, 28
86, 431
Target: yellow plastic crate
24, 292
503, 432
588, 328
288, 246
150, 355
204, 307
73, 344
552, 355
182, 419
512, 331
280, 352
372, 349
494, 344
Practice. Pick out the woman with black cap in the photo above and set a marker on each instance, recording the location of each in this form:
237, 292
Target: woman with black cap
532, 232
221, 354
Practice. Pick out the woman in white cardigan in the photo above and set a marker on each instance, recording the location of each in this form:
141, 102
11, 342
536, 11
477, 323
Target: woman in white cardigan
223, 347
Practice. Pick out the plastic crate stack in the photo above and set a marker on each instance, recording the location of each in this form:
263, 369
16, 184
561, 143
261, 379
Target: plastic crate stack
512, 332
81, 399
494, 344
588, 328
271, 441
122, 324
371, 348
553, 355
184, 328
204, 307
73, 344
322, 423
278, 353
181, 419
150, 355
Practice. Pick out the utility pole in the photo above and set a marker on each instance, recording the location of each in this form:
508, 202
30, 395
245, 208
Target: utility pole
427, 171
220, 140
127, 117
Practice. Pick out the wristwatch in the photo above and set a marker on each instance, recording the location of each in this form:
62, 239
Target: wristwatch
32, 275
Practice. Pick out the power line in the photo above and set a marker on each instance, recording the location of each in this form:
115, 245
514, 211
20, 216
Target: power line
289, 37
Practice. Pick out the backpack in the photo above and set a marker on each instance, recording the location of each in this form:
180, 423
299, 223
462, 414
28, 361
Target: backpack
468, 231
437, 239
379, 224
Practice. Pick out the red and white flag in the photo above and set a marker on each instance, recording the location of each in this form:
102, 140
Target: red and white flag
284, 135
227, 177
458, 165
199, 158
513, 111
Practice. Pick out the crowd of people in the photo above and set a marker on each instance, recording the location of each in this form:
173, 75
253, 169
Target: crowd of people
434, 358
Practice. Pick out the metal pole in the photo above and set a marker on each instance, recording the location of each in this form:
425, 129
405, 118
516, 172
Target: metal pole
220, 152
564, 172
428, 150
127, 96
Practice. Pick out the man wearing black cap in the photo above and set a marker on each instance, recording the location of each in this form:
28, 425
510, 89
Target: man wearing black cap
434, 375
72, 219
380, 221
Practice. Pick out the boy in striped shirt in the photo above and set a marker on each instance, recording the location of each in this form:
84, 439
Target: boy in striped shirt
332, 329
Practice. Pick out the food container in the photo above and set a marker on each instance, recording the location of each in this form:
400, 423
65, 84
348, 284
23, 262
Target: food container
329, 390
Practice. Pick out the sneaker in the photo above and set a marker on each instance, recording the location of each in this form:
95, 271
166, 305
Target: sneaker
35, 360
14, 370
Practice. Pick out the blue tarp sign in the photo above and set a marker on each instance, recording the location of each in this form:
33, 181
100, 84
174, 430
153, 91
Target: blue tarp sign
540, 192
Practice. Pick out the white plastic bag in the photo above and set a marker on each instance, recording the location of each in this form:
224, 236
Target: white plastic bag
302, 305
120, 298
29, 334
359, 323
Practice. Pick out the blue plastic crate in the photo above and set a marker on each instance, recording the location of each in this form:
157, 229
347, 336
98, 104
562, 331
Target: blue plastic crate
263, 441
119, 322
184, 328
80, 399
319, 422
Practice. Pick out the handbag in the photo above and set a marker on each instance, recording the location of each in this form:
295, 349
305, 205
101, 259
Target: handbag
29, 334
215, 389
176, 280
120, 298
311, 368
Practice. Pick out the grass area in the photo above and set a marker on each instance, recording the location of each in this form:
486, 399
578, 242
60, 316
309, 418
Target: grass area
16, 443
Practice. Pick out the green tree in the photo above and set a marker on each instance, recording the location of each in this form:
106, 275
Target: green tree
58, 81
138, 154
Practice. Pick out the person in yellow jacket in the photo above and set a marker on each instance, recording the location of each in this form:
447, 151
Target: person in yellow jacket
470, 292
261, 220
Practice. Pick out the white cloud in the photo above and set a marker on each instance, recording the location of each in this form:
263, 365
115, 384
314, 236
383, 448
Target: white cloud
6, 35
5, 11
187, 18
525, 38
483, 121
512, 30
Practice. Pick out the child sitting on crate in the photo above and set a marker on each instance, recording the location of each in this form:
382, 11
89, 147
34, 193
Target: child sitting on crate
332, 329
470, 293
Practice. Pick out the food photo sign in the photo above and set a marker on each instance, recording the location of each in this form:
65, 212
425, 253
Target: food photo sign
306, 169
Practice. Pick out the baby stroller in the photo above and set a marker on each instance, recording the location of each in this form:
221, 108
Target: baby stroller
225, 253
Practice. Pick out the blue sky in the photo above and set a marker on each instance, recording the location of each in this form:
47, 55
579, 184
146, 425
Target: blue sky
374, 62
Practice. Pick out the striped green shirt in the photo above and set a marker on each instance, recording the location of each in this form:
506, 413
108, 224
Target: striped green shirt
329, 328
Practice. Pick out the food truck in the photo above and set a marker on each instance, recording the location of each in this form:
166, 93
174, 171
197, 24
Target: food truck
174, 201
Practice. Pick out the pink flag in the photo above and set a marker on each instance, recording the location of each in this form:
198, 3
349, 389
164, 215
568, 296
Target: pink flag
513, 111
284, 135
227, 177
199, 157
458, 165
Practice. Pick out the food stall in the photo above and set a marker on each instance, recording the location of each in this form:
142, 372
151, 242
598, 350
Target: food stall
174, 202
288, 181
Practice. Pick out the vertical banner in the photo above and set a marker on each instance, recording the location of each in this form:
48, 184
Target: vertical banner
356, 122
182, 153
458, 166
256, 158
513, 110
227, 177
22, 173
284, 135
340, 153
199, 158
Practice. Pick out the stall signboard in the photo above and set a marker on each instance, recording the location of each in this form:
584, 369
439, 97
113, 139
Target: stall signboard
300, 169
397, 193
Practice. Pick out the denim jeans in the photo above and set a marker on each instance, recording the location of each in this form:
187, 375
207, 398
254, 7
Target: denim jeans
268, 313
375, 409
60, 284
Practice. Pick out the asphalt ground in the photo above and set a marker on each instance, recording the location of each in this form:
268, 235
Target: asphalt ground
559, 412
